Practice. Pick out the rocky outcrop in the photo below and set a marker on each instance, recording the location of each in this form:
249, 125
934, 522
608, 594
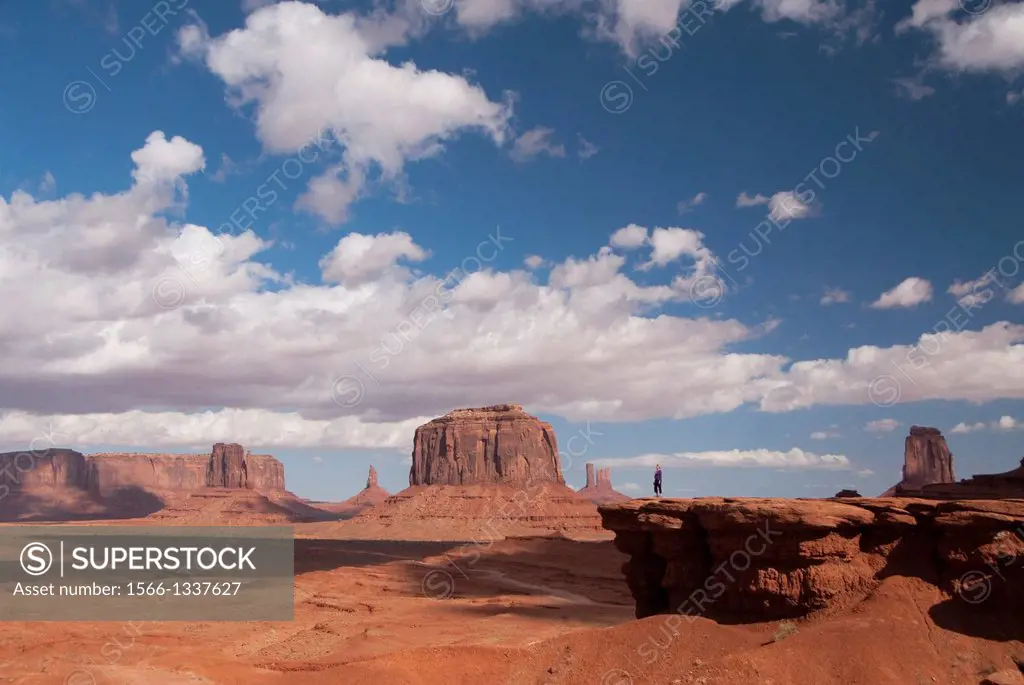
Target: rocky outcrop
105, 473
479, 513
264, 473
370, 496
231, 467
846, 493
926, 460
599, 486
500, 444
1008, 485
227, 467
156, 472
766, 559
52, 468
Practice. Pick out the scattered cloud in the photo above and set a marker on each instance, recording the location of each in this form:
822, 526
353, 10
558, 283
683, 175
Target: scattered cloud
48, 184
968, 428
1014, 96
1004, 423
990, 41
865, 473
586, 149
685, 206
629, 487
829, 434
534, 262
882, 426
629, 237
1008, 423
786, 205
782, 205
977, 292
381, 116
912, 89
910, 293
795, 459
228, 167
744, 200
358, 259
835, 296
534, 143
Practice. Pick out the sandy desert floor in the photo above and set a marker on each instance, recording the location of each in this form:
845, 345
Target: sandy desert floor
521, 611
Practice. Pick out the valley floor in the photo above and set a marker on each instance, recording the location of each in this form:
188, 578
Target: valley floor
518, 611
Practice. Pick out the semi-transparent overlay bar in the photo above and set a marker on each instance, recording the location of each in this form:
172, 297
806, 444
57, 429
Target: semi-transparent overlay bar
146, 573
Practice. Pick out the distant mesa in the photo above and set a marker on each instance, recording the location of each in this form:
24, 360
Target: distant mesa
63, 484
499, 445
846, 493
599, 487
928, 473
481, 474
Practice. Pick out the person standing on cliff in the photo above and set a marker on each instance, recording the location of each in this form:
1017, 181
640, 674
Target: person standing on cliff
657, 480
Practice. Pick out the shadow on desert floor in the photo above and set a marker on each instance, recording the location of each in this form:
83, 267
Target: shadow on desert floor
987, 623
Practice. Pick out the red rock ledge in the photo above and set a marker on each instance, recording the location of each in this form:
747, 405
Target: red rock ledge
767, 559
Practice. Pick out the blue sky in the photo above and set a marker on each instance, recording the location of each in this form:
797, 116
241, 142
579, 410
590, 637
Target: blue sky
631, 291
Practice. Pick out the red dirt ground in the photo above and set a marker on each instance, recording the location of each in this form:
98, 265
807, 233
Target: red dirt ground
518, 611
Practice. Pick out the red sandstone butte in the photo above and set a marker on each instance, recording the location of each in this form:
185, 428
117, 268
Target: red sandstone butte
599, 488
231, 467
500, 444
1008, 485
927, 460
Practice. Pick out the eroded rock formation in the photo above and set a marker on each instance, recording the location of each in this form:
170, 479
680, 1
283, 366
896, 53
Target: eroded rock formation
227, 467
926, 460
370, 496
105, 473
53, 468
846, 493
500, 444
479, 513
1008, 485
766, 559
599, 486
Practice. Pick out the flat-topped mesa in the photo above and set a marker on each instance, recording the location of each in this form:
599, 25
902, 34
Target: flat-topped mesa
500, 444
56, 467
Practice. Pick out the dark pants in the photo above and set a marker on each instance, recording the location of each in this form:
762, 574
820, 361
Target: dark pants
657, 487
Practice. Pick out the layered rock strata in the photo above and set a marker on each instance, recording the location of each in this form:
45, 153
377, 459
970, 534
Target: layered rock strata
105, 473
767, 559
926, 460
500, 444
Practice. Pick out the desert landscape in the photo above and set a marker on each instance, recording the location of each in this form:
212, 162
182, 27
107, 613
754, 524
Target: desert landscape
488, 568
